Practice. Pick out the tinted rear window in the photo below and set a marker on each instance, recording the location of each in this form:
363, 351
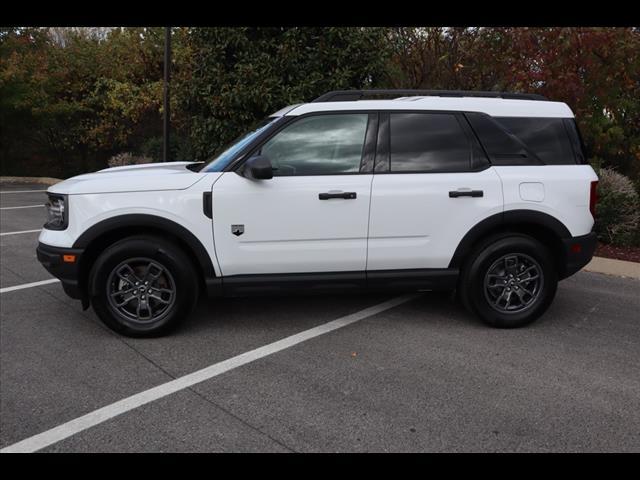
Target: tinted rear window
576, 140
428, 142
546, 137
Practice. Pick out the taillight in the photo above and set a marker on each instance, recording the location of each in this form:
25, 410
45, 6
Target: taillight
593, 198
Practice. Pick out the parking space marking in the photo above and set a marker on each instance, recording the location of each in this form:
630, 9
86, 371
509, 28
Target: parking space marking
18, 233
28, 285
56, 434
24, 206
23, 191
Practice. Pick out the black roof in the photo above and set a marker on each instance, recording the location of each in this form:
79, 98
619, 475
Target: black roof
351, 95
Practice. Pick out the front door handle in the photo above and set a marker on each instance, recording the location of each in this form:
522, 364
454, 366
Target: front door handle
343, 195
466, 193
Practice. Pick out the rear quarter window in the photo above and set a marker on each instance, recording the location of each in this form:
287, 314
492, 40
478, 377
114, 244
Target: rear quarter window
548, 138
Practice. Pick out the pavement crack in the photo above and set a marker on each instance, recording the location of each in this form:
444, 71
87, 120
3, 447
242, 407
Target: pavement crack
147, 358
211, 402
241, 420
172, 377
114, 335
15, 273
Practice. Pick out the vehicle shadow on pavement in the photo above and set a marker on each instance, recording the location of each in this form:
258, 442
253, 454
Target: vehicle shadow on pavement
279, 311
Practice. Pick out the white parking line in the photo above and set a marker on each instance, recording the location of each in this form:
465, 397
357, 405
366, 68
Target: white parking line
103, 414
28, 285
24, 206
22, 191
18, 233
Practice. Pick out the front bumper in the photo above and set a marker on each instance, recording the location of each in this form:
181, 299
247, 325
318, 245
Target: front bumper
52, 258
578, 251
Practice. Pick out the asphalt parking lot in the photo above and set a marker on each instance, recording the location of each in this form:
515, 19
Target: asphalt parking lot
421, 376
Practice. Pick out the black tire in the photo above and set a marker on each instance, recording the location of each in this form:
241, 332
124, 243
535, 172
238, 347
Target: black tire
498, 282
164, 266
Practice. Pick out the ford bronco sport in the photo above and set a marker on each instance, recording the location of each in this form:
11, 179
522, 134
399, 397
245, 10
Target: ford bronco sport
485, 193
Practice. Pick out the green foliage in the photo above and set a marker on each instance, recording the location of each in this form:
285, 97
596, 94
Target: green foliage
71, 98
180, 148
617, 210
236, 76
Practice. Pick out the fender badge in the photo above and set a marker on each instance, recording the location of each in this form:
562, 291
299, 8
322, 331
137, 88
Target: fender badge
237, 230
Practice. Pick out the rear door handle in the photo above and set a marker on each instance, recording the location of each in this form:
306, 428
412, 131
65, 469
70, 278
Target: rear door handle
466, 193
343, 195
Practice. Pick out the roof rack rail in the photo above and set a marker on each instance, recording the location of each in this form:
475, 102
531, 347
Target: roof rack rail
351, 95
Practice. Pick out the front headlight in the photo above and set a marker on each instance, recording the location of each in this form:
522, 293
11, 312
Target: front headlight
57, 212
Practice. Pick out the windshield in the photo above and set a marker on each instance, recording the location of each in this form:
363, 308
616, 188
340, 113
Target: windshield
220, 161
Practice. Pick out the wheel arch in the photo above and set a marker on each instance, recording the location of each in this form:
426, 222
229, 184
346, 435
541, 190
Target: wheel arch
99, 236
541, 226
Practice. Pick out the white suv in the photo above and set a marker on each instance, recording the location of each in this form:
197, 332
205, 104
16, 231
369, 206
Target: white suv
485, 193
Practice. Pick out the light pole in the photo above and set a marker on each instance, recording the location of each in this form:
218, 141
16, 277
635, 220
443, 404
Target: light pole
167, 65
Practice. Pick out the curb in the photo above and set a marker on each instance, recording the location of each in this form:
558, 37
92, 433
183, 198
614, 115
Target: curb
610, 266
48, 181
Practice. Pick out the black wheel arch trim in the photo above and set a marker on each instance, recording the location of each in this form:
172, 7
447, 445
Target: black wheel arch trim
151, 221
504, 220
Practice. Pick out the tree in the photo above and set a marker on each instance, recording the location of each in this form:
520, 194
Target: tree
596, 71
73, 97
236, 76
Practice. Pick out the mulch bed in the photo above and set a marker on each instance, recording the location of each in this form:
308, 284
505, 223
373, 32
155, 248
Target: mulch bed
630, 254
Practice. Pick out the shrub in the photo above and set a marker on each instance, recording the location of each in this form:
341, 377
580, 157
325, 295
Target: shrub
618, 209
126, 158
179, 148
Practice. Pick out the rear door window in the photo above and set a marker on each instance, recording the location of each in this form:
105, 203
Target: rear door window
428, 142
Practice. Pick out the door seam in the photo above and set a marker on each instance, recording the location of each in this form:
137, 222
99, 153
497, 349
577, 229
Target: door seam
366, 259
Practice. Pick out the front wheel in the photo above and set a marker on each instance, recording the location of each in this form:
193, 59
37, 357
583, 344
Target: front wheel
509, 281
143, 286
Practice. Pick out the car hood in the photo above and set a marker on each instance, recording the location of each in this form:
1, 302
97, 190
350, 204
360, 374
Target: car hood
132, 178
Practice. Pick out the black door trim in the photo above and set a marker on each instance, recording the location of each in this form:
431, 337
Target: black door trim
437, 279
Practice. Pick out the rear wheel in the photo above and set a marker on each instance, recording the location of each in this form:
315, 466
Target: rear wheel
143, 286
509, 281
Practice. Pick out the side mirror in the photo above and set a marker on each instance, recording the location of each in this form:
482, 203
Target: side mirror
258, 168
